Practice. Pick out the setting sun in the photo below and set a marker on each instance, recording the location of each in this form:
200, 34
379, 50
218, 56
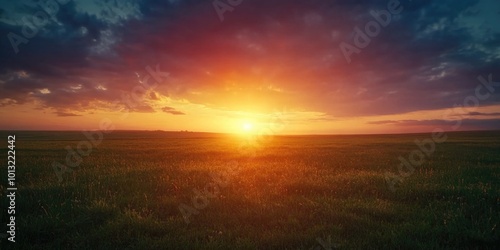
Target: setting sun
247, 127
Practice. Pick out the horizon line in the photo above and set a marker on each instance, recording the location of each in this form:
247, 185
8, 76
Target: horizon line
221, 133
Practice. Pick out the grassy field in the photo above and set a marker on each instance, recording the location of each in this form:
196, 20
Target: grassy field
285, 192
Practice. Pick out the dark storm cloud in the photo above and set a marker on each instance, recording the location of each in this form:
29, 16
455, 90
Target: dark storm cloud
57, 47
424, 59
74, 21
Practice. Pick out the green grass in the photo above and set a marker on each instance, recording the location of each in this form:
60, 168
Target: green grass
126, 193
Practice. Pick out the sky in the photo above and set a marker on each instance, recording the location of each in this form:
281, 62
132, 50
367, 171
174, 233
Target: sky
241, 66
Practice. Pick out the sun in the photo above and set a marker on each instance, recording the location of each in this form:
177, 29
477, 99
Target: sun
247, 127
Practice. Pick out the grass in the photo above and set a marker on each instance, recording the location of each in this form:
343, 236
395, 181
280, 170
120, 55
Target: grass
293, 190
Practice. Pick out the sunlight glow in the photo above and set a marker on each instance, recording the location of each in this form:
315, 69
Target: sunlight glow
247, 127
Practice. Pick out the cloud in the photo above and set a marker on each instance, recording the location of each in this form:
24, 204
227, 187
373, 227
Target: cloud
142, 109
382, 122
464, 124
427, 58
65, 114
172, 111
484, 114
